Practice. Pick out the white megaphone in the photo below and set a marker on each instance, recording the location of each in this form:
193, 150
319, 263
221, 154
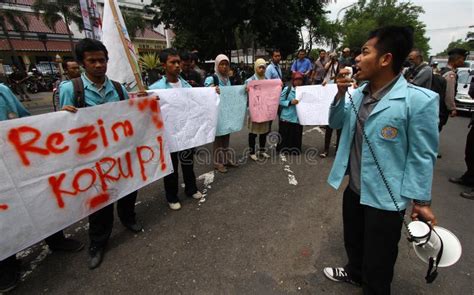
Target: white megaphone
436, 246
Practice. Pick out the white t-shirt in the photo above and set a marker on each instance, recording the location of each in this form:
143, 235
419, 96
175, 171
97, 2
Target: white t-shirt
176, 85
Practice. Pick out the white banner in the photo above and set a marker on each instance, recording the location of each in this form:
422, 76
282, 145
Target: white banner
91, 19
58, 168
118, 68
190, 116
314, 103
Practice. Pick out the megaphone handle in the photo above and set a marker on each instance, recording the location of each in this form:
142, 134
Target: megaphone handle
433, 273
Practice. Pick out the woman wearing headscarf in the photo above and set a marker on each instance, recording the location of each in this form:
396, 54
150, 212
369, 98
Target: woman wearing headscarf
291, 131
260, 129
222, 156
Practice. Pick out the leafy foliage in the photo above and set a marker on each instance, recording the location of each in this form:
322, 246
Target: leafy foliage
468, 45
218, 26
369, 15
150, 61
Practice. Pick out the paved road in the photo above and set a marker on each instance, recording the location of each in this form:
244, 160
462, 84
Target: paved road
266, 228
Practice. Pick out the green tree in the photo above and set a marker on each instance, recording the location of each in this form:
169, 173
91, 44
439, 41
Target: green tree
135, 22
218, 26
53, 11
322, 31
460, 43
19, 23
369, 15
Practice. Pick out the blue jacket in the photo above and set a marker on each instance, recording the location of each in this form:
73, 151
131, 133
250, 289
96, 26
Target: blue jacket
210, 82
272, 72
10, 107
288, 110
163, 84
92, 96
403, 130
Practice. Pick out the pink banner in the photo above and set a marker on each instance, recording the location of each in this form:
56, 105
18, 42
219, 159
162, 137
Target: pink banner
264, 98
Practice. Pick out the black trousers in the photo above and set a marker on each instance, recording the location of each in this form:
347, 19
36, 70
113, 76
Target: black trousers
262, 140
469, 157
11, 264
291, 137
371, 239
102, 221
327, 138
171, 181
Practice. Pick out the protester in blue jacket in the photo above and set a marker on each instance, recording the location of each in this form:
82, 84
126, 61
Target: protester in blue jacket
171, 60
11, 108
291, 132
223, 157
400, 121
99, 89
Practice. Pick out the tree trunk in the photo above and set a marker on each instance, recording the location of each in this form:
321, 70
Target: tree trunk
16, 60
69, 34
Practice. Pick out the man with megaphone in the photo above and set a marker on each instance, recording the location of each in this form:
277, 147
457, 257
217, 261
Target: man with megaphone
388, 148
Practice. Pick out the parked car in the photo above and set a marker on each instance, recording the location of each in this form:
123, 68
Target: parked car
463, 101
45, 68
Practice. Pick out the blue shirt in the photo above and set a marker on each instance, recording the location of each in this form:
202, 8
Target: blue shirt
404, 134
93, 95
302, 66
288, 110
163, 84
10, 107
210, 82
273, 71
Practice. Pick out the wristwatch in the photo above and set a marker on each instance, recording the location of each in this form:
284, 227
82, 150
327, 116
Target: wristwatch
421, 203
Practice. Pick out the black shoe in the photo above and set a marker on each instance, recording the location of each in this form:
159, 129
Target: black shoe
67, 245
9, 281
96, 255
468, 195
339, 274
459, 180
134, 227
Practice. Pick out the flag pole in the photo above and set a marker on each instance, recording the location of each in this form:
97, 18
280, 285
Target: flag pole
141, 87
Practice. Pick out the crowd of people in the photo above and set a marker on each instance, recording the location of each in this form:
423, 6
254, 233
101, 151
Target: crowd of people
371, 222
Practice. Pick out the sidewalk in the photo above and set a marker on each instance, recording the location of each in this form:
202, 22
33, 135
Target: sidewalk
40, 103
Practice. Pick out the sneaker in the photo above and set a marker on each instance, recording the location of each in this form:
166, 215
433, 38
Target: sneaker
264, 155
175, 206
134, 226
339, 274
254, 157
96, 255
232, 164
198, 195
66, 245
221, 168
323, 155
9, 281
468, 195
459, 180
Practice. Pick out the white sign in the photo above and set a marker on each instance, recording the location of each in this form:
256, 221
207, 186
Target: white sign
91, 18
314, 103
190, 116
58, 168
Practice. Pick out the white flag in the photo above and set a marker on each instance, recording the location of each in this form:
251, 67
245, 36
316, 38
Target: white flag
119, 68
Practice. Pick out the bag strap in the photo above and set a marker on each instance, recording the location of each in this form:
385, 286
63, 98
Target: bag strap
216, 80
288, 92
119, 89
433, 263
79, 99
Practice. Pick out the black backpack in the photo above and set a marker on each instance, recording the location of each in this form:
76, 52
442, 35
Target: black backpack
438, 85
78, 85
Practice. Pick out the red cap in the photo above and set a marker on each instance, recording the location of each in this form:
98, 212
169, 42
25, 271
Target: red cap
297, 75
